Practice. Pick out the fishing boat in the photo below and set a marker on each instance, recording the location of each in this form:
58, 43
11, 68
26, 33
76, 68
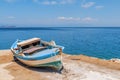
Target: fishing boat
38, 53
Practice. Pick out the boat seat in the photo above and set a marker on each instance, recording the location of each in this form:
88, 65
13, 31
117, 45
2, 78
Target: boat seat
33, 49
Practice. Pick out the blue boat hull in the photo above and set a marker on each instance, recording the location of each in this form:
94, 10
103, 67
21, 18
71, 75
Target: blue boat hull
45, 58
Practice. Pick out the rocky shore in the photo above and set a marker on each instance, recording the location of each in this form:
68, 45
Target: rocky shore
76, 67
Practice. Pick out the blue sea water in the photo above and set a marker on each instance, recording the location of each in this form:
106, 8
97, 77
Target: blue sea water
96, 42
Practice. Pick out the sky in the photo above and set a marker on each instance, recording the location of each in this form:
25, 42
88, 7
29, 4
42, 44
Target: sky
60, 13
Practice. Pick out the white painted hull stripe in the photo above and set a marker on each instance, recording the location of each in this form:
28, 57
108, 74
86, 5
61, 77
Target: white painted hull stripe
38, 62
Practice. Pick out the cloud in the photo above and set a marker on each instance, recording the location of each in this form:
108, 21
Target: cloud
88, 19
35, 0
10, 1
80, 20
49, 2
14, 1
85, 4
68, 18
88, 4
99, 7
67, 1
11, 17
54, 2
61, 18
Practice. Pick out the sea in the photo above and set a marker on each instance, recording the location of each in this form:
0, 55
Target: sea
100, 42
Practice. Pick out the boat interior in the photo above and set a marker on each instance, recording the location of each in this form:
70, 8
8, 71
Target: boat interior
31, 46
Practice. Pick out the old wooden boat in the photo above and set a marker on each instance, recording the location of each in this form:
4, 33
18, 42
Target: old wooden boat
38, 53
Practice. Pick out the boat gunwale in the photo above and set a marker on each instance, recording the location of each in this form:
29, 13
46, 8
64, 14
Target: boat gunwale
30, 56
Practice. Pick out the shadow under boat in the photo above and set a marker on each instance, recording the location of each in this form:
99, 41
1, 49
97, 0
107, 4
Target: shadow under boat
38, 69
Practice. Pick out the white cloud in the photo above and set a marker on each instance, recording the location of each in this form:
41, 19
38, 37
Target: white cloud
46, 3
61, 18
54, 2
9, 1
35, 0
49, 2
68, 18
88, 4
67, 1
11, 17
14, 1
99, 7
80, 20
88, 19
